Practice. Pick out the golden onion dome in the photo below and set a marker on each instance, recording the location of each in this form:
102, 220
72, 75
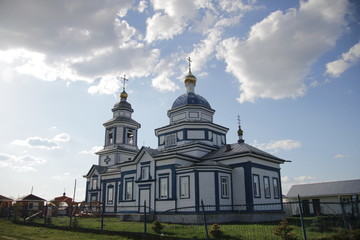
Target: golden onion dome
123, 95
240, 132
190, 79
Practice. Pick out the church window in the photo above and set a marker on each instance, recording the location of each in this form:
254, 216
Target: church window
184, 187
30, 206
170, 140
94, 183
110, 136
145, 172
164, 186
256, 185
128, 189
276, 187
130, 137
267, 187
224, 187
110, 195
93, 198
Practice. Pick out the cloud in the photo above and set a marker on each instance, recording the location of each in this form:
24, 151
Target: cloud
170, 19
43, 143
20, 163
341, 156
71, 41
92, 151
61, 177
275, 146
287, 182
275, 58
348, 59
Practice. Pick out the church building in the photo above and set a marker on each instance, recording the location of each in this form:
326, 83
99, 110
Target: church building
192, 165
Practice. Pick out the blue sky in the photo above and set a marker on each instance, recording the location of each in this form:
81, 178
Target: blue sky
290, 69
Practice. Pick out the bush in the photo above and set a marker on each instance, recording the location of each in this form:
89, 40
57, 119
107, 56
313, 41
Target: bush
215, 231
157, 227
284, 231
346, 235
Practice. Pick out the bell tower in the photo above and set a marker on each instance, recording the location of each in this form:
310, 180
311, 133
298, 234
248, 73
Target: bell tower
120, 133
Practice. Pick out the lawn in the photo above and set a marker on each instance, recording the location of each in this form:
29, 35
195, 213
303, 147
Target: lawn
231, 231
11, 231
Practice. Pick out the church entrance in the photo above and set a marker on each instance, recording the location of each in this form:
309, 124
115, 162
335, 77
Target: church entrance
144, 198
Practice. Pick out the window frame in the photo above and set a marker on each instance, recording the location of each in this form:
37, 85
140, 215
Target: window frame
94, 186
184, 187
129, 185
110, 194
170, 140
224, 186
276, 189
256, 186
130, 137
162, 180
145, 170
267, 189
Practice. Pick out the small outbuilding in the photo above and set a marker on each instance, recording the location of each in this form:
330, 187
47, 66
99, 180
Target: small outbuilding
62, 205
5, 204
31, 203
326, 197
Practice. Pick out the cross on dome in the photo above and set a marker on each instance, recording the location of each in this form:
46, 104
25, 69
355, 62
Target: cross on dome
189, 60
124, 79
124, 95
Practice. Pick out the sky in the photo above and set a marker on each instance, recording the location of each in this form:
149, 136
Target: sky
290, 69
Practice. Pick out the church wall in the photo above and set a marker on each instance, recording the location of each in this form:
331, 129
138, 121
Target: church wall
238, 184
224, 198
270, 175
187, 200
206, 188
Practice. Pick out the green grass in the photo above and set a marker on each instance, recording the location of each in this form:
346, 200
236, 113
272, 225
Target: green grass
11, 231
231, 231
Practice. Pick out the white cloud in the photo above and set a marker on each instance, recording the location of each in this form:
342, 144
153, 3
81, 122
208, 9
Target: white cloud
43, 143
341, 156
20, 163
274, 146
142, 6
287, 182
277, 55
348, 59
61, 177
92, 151
162, 27
170, 19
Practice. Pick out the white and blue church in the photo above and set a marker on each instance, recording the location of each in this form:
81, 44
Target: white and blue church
193, 166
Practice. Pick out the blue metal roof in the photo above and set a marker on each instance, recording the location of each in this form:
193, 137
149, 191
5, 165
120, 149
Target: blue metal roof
191, 99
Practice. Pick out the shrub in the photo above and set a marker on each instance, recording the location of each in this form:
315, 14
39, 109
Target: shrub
215, 231
284, 231
157, 226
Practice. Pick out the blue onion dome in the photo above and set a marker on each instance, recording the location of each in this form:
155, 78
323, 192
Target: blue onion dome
191, 99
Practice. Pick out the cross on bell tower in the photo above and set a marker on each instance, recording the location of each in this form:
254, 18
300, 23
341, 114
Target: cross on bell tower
240, 131
124, 95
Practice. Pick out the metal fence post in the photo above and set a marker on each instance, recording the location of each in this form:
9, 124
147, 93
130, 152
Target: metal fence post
70, 212
301, 218
145, 224
102, 215
204, 216
346, 223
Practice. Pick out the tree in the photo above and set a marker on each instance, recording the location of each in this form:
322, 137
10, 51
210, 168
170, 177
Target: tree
284, 231
157, 226
215, 231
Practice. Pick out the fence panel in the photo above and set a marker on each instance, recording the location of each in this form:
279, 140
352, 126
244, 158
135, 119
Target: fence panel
262, 221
